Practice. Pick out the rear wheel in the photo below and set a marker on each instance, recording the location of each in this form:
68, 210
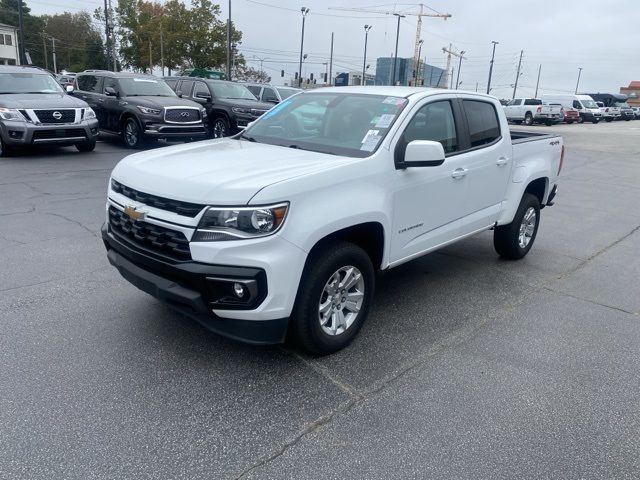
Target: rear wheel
608, 119
595, 121
5, 151
220, 127
86, 146
569, 122
513, 241
132, 133
333, 299
528, 119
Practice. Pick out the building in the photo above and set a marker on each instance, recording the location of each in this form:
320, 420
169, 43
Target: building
633, 92
353, 78
428, 75
9, 45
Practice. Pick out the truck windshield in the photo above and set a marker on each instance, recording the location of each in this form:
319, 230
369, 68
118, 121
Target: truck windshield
286, 92
28, 83
347, 124
232, 91
621, 104
138, 87
589, 104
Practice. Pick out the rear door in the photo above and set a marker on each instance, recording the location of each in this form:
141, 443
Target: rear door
488, 159
513, 110
89, 87
111, 108
428, 202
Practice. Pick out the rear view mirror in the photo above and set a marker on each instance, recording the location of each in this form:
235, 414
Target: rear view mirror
69, 89
422, 153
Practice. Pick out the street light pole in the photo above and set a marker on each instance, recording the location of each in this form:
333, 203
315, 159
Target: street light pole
364, 62
491, 65
459, 67
578, 82
229, 43
395, 57
21, 33
331, 62
304, 11
538, 81
418, 65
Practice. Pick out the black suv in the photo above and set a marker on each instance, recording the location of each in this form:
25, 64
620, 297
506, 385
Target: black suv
230, 106
139, 107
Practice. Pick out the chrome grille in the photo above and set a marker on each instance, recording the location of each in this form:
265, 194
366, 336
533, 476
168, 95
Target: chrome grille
56, 116
182, 115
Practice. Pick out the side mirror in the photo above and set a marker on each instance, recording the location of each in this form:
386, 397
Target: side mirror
179, 93
69, 89
422, 153
110, 91
203, 96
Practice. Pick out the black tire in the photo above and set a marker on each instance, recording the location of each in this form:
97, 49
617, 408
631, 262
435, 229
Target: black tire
595, 121
5, 150
580, 120
220, 127
569, 122
548, 123
132, 135
528, 119
517, 122
608, 119
305, 327
86, 146
506, 238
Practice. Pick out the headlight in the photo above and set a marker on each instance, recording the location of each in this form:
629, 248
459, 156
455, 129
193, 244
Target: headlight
149, 111
240, 110
203, 113
240, 223
11, 114
89, 114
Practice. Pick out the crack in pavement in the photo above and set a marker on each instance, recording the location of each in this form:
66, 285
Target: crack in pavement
80, 224
456, 337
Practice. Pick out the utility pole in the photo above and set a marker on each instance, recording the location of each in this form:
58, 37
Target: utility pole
395, 57
493, 55
113, 40
417, 75
453, 69
331, 62
304, 11
150, 60
106, 33
459, 68
161, 48
46, 55
21, 33
476, 86
229, 43
449, 51
448, 67
55, 66
578, 82
538, 81
515, 85
364, 63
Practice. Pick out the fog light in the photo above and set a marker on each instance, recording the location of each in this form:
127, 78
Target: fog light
238, 289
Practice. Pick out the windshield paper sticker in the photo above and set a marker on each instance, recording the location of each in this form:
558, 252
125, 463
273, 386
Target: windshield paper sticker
146, 80
394, 101
370, 141
385, 120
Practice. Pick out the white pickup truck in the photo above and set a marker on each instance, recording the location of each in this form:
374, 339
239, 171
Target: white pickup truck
281, 229
532, 110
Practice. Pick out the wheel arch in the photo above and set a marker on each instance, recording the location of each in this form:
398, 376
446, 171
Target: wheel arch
538, 188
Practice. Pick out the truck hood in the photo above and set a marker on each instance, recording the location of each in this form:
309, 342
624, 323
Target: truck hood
218, 172
40, 100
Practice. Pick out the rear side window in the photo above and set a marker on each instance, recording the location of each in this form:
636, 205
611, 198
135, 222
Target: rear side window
532, 101
515, 102
185, 87
269, 95
201, 90
255, 90
89, 83
482, 118
172, 83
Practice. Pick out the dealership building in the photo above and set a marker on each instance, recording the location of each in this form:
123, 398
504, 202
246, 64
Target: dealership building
428, 75
9, 45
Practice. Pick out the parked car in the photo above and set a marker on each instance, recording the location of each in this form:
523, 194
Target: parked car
35, 110
229, 105
65, 79
570, 115
284, 228
615, 100
532, 110
139, 107
271, 93
587, 108
636, 112
609, 113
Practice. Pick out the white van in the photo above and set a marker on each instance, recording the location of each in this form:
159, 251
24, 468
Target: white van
589, 110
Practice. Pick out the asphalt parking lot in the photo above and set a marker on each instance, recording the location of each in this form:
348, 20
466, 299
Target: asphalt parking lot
469, 366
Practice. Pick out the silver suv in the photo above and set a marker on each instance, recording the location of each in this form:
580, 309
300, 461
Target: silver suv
35, 110
271, 93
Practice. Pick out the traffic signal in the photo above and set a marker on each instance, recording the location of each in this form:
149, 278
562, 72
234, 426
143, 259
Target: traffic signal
282, 73
311, 76
325, 78
296, 77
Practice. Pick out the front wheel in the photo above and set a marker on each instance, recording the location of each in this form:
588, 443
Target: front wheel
5, 151
86, 146
220, 127
333, 299
595, 121
569, 122
608, 119
528, 119
513, 241
581, 120
132, 133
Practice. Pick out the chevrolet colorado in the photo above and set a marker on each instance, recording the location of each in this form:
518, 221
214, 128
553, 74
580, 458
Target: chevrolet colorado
282, 228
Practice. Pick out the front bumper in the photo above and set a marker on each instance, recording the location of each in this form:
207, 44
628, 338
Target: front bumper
174, 130
25, 133
188, 288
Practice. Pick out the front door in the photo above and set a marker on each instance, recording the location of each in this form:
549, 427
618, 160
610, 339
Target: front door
428, 202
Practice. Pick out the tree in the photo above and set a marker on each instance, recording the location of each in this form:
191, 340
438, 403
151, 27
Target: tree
33, 28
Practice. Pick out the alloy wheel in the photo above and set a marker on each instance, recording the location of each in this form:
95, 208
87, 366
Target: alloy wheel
527, 227
341, 300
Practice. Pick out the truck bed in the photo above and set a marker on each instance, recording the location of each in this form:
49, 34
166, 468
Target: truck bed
519, 136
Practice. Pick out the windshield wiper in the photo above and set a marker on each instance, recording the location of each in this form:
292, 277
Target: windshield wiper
247, 138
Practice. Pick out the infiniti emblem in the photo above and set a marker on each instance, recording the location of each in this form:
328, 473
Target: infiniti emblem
185, 114
56, 115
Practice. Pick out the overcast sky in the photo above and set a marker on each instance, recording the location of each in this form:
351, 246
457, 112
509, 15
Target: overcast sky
602, 36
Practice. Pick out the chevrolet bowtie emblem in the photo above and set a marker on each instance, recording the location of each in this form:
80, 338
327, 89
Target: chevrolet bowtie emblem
134, 214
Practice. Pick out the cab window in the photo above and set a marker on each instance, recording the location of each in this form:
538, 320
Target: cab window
269, 95
201, 90
515, 102
255, 89
110, 82
483, 123
435, 122
89, 83
577, 105
185, 87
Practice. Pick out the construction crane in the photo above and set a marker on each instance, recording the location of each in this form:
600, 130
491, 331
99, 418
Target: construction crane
416, 61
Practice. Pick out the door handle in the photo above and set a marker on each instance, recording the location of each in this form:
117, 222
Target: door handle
101, 100
502, 161
459, 173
